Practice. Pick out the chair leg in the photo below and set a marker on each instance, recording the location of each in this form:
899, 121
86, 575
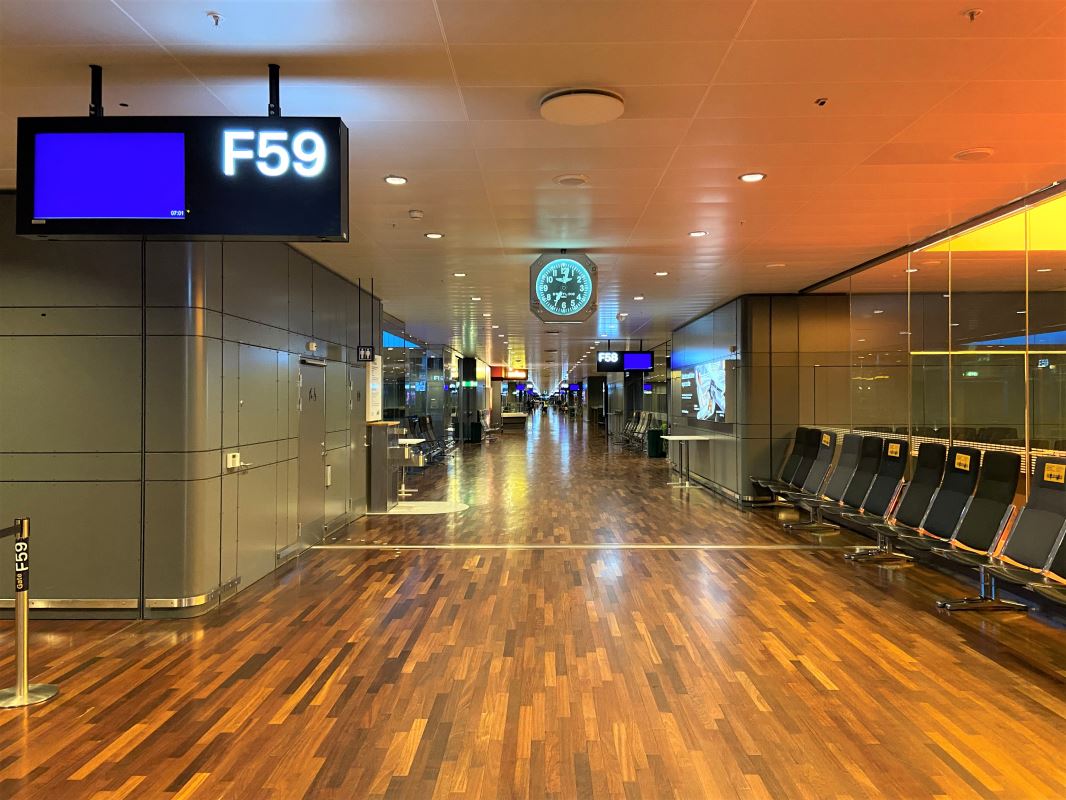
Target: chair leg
988, 600
882, 554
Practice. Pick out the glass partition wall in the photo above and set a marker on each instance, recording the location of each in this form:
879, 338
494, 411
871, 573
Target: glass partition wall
964, 341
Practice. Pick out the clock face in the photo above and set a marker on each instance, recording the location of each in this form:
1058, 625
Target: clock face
563, 287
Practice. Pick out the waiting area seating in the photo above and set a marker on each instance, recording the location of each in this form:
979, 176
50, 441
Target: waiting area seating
634, 433
959, 506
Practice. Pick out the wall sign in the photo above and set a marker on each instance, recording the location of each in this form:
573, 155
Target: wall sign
608, 361
364, 352
374, 390
1055, 473
562, 288
261, 178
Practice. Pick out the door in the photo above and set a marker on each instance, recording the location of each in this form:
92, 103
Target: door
357, 451
312, 451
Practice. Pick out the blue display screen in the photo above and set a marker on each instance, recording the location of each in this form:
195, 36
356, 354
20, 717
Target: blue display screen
109, 176
637, 361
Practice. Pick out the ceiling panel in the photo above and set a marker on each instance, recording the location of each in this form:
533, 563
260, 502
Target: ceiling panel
711, 91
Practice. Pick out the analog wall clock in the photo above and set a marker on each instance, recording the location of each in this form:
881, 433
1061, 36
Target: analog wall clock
562, 287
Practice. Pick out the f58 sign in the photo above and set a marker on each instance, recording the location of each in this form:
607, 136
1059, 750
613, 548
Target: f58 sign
280, 178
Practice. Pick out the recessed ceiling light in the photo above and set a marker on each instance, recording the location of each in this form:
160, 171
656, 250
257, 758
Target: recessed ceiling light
752, 177
475, 299
862, 340
1044, 269
775, 265
434, 235
638, 297
499, 334
458, 274
1019, 312
494, 327
661, 274
879, 311
571, 179
911, 269
395, 180
624, 314
697, 234
487, 314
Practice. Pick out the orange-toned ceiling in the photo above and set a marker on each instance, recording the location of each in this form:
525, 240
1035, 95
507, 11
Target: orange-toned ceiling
446, 93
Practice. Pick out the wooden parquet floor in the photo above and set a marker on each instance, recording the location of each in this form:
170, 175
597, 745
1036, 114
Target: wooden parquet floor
560, 672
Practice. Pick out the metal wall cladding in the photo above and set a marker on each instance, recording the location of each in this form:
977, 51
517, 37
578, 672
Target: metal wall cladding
226, 324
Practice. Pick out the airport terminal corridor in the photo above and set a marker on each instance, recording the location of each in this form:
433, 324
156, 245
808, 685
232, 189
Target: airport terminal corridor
581, 630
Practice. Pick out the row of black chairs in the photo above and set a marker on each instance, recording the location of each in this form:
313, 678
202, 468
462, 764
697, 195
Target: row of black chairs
993, 434
635, 432
958, 505
434, 448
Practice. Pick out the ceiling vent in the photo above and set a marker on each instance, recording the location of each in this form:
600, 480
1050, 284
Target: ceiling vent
571, 179
973, 154
581, 106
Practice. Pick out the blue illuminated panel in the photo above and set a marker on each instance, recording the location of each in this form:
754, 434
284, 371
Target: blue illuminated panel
109, 176
637, 361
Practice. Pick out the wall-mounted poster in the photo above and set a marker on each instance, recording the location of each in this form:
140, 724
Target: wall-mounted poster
374, 390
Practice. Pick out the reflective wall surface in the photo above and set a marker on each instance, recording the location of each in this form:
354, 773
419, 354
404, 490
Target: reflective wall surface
964, 340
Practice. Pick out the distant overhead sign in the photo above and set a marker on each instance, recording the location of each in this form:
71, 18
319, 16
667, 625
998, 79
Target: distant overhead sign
260, 178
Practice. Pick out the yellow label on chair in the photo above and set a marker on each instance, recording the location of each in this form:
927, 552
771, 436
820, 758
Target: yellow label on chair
893, 449
1055, 473
962, 461
825, 440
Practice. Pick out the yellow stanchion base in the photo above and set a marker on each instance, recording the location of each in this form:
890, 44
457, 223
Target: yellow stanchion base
38, 693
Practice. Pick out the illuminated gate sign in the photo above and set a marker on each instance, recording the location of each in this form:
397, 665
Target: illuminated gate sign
260, 178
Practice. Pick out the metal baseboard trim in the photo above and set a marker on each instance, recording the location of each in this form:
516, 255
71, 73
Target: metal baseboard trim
64, 604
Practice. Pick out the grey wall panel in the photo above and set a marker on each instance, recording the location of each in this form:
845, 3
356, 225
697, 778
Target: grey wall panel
70, 393
66, 273
69, 467
255, 282
237, 329
184, 322
196, 466
336, 397
300, 294
184, 274
258, 401
184, 393
338, 490
181, 544
85, 538
256, 524
49, 321
328, 306
230, 392
228, 528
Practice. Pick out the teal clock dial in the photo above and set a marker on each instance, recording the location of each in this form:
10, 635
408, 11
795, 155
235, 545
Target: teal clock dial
563, 287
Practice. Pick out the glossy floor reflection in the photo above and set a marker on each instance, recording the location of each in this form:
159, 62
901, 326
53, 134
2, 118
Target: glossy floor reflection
556, 672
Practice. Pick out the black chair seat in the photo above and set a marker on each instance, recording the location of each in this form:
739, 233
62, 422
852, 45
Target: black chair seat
1017, 575
893, 531
919, 541
963, 556
1052, 591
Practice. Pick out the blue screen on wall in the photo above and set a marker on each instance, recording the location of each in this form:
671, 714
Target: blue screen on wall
109, 176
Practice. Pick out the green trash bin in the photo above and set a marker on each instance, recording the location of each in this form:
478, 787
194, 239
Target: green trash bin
656, 445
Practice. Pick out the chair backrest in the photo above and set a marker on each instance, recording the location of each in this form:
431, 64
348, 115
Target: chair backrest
928, 471
850, 449
1038, 530
865, 470
987, 511
888, 479
789, 468
827, 445
809, 452
960, 477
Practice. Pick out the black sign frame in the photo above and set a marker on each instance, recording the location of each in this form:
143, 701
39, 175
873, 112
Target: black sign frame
248, 206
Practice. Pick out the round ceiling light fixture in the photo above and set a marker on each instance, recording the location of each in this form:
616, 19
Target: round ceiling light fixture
581, 106
395, 180
971, 154
571, 179
697, 234
752, 177
434, 235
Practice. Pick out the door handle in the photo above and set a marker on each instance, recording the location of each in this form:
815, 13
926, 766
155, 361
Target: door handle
243, 465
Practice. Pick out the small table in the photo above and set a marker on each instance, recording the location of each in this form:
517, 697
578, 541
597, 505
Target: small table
406, 444
684, 461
